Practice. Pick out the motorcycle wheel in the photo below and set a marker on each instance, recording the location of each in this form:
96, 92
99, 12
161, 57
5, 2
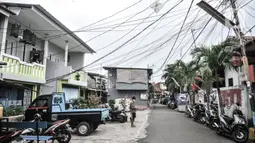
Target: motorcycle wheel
65, 136
201, 119
122, 119
240, 135
212, 126
218, 131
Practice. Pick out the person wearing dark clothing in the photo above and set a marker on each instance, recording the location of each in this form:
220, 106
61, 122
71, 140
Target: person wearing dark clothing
132, 111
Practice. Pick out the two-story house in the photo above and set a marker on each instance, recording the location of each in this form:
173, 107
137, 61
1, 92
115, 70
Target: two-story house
128, 82
37, 48
96, 86
234, 78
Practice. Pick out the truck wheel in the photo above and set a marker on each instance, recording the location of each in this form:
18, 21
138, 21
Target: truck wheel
83, 129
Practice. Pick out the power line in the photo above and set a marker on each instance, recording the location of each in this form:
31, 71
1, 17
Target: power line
196, 38
102, 31
152, 48
111, 15
192, 42
193, 21
164, 36
177, 36
139, 18
138, 44
117, 47
111, 28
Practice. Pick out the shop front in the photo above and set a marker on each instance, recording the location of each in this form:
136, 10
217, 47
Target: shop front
17, 94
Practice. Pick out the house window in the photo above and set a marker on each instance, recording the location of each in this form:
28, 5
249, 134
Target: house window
230, 82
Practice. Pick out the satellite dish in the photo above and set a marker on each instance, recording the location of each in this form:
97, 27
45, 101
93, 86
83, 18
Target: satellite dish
157, 6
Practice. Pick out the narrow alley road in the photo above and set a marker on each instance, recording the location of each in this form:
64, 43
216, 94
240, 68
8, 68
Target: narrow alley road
169, 126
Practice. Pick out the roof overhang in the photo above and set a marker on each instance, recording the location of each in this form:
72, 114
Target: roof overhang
96, 74
44, 25
150, 71
6, 11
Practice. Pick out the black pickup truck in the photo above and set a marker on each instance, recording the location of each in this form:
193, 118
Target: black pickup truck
52, 107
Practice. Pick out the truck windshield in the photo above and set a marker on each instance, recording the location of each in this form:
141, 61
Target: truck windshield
40, 102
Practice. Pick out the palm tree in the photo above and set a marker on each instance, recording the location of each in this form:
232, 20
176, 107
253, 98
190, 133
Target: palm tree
183, 72
169, 73
212, 59
188, 72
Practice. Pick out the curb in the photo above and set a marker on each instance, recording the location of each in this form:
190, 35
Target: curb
142, 127
142, 108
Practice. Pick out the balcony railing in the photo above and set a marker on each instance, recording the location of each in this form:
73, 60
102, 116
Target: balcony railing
17, 67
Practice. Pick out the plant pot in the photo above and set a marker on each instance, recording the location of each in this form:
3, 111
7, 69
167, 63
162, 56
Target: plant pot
17, 118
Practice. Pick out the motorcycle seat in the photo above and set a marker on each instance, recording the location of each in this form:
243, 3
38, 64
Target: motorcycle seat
228, 119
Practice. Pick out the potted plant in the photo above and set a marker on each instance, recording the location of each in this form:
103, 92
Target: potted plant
78, 76
14, 113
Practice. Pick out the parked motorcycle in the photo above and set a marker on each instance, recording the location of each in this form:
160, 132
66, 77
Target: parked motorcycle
9, 137
235, 127
172, 104
211, 116
191, 109
117, 115
199, 114
59, 130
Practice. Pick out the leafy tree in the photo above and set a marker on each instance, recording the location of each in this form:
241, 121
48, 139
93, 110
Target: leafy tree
212, 59
183, 73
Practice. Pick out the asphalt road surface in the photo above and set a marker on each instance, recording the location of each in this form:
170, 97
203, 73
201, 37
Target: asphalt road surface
170, 126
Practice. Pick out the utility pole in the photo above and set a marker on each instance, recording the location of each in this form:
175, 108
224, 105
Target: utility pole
237, 29
192, 32
240, 36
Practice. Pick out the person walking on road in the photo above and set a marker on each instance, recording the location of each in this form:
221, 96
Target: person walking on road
132, 111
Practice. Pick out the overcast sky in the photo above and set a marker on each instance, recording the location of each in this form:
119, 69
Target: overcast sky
79, 13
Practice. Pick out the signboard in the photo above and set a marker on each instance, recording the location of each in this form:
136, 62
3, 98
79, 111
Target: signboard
143, 96
132, 76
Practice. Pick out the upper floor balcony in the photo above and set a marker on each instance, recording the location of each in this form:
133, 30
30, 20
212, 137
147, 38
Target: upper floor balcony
19, 70
20, 54
56, 69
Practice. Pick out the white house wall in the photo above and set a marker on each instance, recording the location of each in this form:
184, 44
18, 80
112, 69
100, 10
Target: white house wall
231, 74
57, 54
18, 48
48, 88
76, 60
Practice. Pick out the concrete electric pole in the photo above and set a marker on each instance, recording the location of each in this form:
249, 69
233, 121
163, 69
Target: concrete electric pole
237, 29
